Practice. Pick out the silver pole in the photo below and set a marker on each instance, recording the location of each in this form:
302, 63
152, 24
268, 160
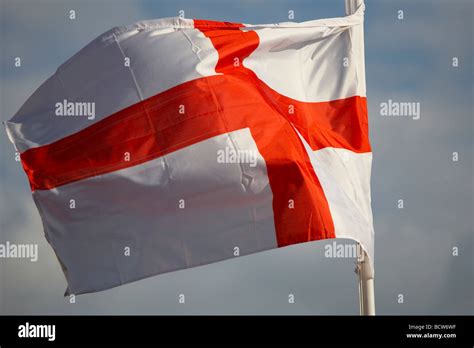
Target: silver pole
366, 283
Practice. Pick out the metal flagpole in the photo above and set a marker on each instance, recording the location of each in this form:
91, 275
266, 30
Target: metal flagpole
366, 279
366, 283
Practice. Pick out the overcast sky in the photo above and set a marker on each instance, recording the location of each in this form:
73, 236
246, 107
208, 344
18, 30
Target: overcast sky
406, 60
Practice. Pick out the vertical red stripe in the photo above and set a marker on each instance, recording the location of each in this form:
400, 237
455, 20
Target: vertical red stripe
300, 208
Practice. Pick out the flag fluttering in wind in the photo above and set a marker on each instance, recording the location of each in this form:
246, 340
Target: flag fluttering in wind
173, 143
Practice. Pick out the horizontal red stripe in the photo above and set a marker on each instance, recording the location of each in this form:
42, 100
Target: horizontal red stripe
155, 127
205, 24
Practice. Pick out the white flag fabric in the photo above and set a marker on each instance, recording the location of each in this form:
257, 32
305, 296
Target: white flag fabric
173, 143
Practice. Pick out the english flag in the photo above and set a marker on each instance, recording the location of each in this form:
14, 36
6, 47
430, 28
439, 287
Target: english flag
174, 143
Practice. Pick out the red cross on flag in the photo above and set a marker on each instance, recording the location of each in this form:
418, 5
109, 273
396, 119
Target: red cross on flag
173, 143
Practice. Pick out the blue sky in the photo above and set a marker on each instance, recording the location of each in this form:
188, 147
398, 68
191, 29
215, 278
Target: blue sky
406, 60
